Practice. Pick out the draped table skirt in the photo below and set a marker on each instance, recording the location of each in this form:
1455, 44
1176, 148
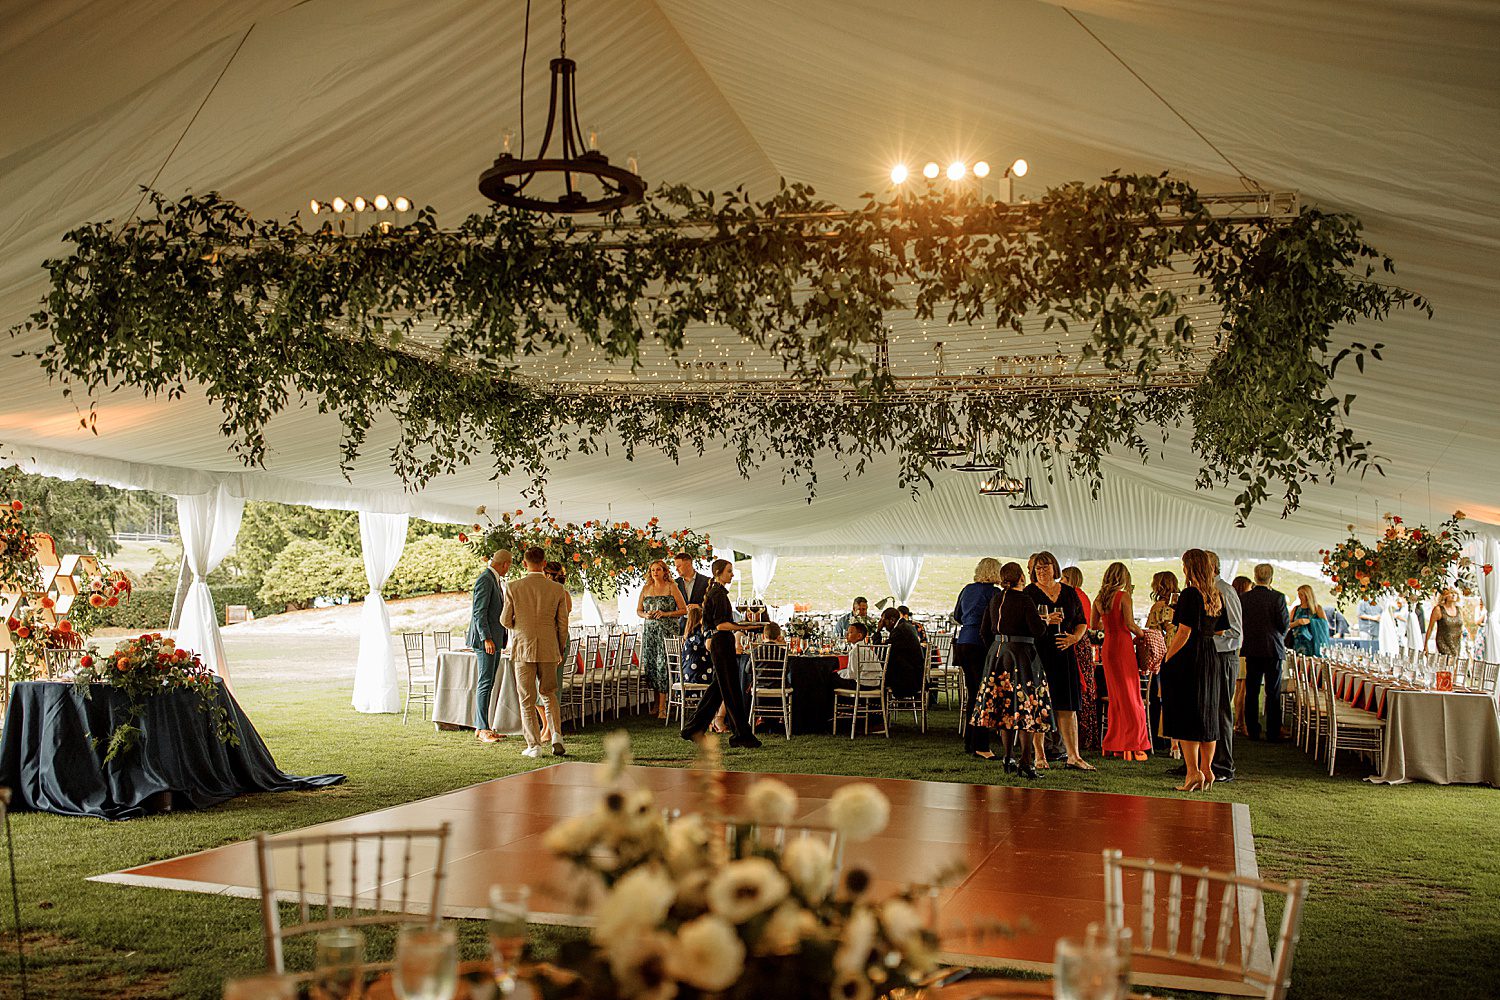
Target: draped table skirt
458, 679
1445, 737
55, 739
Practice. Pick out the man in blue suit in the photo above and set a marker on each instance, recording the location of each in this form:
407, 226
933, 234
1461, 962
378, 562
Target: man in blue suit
487, 638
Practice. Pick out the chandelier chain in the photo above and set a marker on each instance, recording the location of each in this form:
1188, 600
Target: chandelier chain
562, 48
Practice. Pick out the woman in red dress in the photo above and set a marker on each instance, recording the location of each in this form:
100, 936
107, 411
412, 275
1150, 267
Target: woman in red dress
1126, 735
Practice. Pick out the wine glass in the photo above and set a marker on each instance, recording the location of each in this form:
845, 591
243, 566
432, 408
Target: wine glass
426, 963
339, 959
1097, 968
508, 909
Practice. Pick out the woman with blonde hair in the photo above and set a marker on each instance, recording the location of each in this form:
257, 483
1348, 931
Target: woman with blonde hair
1309, 624
1448, 622
1192, 680
661, 605
1059, 604
1127, 735
968, 645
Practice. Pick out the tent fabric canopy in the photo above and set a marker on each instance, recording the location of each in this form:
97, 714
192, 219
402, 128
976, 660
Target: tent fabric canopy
1393, 115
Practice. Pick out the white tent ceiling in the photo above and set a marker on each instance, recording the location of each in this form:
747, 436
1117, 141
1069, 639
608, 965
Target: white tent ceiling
1390, 111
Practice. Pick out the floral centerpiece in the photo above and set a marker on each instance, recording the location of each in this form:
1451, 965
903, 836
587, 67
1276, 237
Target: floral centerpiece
736, 906
143, 668
1411, 562
804, 628
34, 631
604, 554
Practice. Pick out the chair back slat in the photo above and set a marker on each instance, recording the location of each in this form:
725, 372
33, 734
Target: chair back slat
1240, 914
768, 665
354, 908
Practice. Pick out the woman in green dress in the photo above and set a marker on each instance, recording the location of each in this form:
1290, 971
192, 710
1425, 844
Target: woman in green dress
661, 606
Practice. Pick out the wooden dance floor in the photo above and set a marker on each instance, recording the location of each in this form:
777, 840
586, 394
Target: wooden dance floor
1030, 856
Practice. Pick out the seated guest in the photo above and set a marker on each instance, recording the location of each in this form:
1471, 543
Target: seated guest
903, 666
905, 613
1309, 624
859, 613
772, 633
857, 634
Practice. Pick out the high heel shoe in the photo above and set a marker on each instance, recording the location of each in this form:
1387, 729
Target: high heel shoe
1027, 771
1190, 786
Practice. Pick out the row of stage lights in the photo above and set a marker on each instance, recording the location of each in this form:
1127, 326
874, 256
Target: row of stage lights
956, 171
381, 203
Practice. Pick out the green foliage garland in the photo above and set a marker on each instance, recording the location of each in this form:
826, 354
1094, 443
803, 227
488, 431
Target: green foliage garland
429, 325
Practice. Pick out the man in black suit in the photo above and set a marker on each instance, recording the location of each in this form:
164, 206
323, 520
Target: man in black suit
1265, 624
487, 638
692, 585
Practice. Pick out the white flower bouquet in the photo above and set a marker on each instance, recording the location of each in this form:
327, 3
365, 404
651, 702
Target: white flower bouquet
746, 906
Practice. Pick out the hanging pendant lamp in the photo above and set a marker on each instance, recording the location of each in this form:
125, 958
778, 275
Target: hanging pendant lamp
1028, 502
509, 181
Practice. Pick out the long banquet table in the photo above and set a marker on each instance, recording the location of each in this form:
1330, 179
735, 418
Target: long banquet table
53, 748
1445, 737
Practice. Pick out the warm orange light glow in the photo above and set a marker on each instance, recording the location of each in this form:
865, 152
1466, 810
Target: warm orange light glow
981, 169
931, 170
339, 204
1019, 168
956, 170
899, 174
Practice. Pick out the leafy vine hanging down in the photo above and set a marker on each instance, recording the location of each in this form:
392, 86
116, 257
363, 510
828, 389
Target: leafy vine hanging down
435, 327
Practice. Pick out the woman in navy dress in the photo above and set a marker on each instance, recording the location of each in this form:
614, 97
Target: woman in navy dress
969, 646
1066, 617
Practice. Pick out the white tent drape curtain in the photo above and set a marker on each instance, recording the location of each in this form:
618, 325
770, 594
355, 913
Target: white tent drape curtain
901, 572
1489, 589
626, 601
382, 537
592, 615
208, 523
762, 572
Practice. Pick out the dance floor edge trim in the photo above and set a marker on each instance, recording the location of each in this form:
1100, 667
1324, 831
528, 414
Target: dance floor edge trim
1245, 864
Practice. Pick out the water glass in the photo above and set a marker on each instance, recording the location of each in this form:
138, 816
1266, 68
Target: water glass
508, 910
426, 963
340, 959
1097, 968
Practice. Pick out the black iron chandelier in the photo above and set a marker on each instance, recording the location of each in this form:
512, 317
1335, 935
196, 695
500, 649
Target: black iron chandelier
507, 180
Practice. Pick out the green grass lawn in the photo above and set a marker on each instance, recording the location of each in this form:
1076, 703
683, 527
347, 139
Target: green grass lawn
1405, 881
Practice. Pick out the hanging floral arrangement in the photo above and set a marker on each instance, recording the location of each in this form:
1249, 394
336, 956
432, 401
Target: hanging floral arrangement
603, 554
17, 549
1409, 562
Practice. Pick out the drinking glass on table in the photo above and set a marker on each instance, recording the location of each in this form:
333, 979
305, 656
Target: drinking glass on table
1096, 968
340, 959
508, 909
426, 963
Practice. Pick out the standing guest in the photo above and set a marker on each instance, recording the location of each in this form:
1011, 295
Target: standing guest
1163, 606
1227, 644
859, 611
718, 620
662, 608
487, 637
537, 612
1265, 624
1065, 614
1089, 735
1193, 675
969, 647
1309, 625
1128, 735
555, 572
1367, 618
1337, 623
903, 665
1241, 585
691, 584
1448, 622
1013, 699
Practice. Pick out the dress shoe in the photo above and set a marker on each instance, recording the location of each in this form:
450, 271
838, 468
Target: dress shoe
745, 742
1027, 771
1010, 765
532, 752
1223, 777
558, 750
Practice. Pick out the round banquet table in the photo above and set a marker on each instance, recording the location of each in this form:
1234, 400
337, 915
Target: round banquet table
453, 701
812, 680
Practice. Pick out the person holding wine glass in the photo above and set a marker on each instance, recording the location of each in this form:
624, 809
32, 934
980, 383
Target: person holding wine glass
1059, 605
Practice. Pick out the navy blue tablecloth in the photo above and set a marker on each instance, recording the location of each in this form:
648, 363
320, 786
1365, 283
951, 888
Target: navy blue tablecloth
812, 679
53, 746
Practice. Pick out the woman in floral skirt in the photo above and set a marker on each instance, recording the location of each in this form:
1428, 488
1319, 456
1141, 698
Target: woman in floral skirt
1013, 698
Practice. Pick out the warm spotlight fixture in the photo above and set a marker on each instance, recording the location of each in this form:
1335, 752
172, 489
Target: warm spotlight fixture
981, 169
956, 170
360, 204
931, 170
402, 204
898, 174
382, 203
315, 206
1017, 169
507, 180
339, 204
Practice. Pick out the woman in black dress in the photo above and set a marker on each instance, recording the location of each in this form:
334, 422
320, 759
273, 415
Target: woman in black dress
1013, 698
1058, 658
1191, 678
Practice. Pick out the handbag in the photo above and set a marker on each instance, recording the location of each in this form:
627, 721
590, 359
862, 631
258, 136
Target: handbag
1150, 651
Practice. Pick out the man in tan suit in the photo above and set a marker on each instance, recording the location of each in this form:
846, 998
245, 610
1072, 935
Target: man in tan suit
536, 613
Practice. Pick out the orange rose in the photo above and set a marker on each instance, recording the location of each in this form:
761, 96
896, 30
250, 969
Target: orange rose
96, 601
48, 603
578, 557
24, 632
65, 626
462, 537
17, 506
85, 661
1412, 581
